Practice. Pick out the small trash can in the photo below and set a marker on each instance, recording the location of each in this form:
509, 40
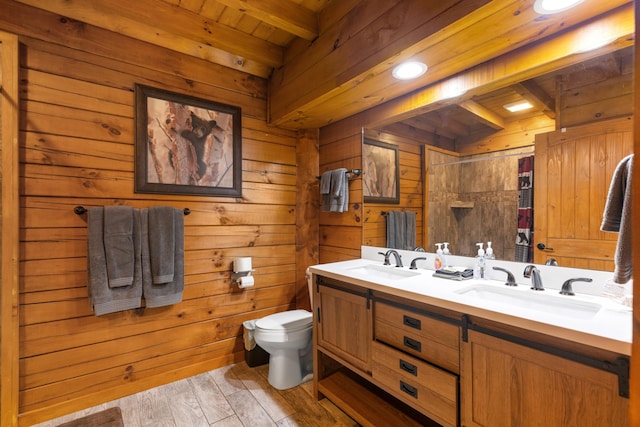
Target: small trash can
254, 355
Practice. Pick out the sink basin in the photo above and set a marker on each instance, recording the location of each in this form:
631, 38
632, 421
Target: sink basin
532, 300
383, 272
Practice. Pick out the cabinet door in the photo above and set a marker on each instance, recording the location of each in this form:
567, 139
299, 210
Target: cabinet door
507, 384
344, 325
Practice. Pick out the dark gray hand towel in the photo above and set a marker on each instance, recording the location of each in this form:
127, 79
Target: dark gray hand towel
325, 190
162, 294
102, 298
118, 245
162, 234
617, 217
339, 190
410, 234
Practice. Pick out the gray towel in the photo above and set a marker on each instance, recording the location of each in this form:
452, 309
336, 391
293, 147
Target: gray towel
325, 190
339, 190
410, 231
617, 217
102, 298
162, 243
401, 230
118, 245
392, 234
158, 295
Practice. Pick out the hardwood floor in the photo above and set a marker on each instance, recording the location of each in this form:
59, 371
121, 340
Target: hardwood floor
232, 396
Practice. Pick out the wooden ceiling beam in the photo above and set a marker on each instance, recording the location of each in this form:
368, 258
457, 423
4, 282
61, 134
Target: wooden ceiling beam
483, 115
339, 79
523, 64
533, 93
359, 51
283, 14
163, 24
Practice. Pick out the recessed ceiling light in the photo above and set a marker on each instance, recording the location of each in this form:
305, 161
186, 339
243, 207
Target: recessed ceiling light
409, 70
547, 7
514, 107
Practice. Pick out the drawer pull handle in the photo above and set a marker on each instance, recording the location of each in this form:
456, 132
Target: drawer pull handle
412, 344
410, 390
408, 367
411, 322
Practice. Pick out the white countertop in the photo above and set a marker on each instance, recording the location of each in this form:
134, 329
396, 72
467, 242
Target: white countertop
609, 328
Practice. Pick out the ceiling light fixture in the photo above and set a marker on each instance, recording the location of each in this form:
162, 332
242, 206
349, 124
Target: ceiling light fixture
547, 7
409, 70
514, 107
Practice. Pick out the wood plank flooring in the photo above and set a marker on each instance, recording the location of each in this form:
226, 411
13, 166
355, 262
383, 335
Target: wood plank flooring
231, 396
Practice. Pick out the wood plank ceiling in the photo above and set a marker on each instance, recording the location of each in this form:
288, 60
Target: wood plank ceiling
326, 60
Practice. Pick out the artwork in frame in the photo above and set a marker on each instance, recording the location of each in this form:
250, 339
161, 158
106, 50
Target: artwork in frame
380, 172
186, 145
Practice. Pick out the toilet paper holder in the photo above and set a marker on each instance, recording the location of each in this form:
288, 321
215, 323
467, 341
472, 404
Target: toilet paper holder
236, 275
241, 268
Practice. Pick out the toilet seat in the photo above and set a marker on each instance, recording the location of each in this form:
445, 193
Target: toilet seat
286, 321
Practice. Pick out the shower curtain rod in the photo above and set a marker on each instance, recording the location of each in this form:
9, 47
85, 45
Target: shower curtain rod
459, 162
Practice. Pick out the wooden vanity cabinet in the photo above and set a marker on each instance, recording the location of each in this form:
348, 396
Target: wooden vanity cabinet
389, 361
416, 356
505, 384
343, 320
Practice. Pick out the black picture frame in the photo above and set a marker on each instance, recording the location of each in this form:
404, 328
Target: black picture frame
186, 145
380, 177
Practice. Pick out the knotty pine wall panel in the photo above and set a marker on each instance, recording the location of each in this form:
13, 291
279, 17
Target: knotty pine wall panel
411, 191
77, 148
340, 235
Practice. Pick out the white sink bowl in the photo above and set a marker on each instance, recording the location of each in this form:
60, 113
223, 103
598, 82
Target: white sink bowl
382, 272
547, 301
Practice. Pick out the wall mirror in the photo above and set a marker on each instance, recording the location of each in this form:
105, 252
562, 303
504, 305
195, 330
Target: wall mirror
459, 162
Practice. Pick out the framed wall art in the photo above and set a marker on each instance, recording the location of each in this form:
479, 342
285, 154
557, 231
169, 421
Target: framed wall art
380, 181
186, 145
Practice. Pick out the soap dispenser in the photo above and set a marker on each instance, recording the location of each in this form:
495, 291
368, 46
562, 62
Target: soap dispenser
489, 254
479, 268
445, 254
437, 261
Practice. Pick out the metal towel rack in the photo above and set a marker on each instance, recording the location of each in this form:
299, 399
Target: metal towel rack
355, 172
81, 210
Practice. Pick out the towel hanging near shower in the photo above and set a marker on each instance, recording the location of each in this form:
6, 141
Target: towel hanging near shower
401, 230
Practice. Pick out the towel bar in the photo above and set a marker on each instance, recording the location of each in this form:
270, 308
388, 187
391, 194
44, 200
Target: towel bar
81, 210
356, 172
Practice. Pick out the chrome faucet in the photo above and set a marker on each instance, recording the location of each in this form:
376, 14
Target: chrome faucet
551, 261
566, 286
531, 271
396, 255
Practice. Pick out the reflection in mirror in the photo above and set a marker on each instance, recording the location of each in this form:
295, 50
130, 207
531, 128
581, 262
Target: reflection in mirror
475, 199
465, 154
402, 213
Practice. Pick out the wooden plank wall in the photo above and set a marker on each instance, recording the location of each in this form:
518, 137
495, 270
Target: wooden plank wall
77, 148
9, 338
411, 190
341, 233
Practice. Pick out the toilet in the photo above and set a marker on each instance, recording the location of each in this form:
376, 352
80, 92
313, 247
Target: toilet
286, 336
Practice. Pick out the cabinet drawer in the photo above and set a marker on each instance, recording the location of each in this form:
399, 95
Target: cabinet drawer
423, 386
427, 338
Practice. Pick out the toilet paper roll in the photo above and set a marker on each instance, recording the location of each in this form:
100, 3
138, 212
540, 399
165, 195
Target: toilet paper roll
242, 264
245, 282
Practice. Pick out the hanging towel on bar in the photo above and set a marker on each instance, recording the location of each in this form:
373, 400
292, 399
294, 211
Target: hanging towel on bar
401, 230
170, 292
103, 298
118, 245
617, 218
325, 191
339, 190
334, 190
162, 242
